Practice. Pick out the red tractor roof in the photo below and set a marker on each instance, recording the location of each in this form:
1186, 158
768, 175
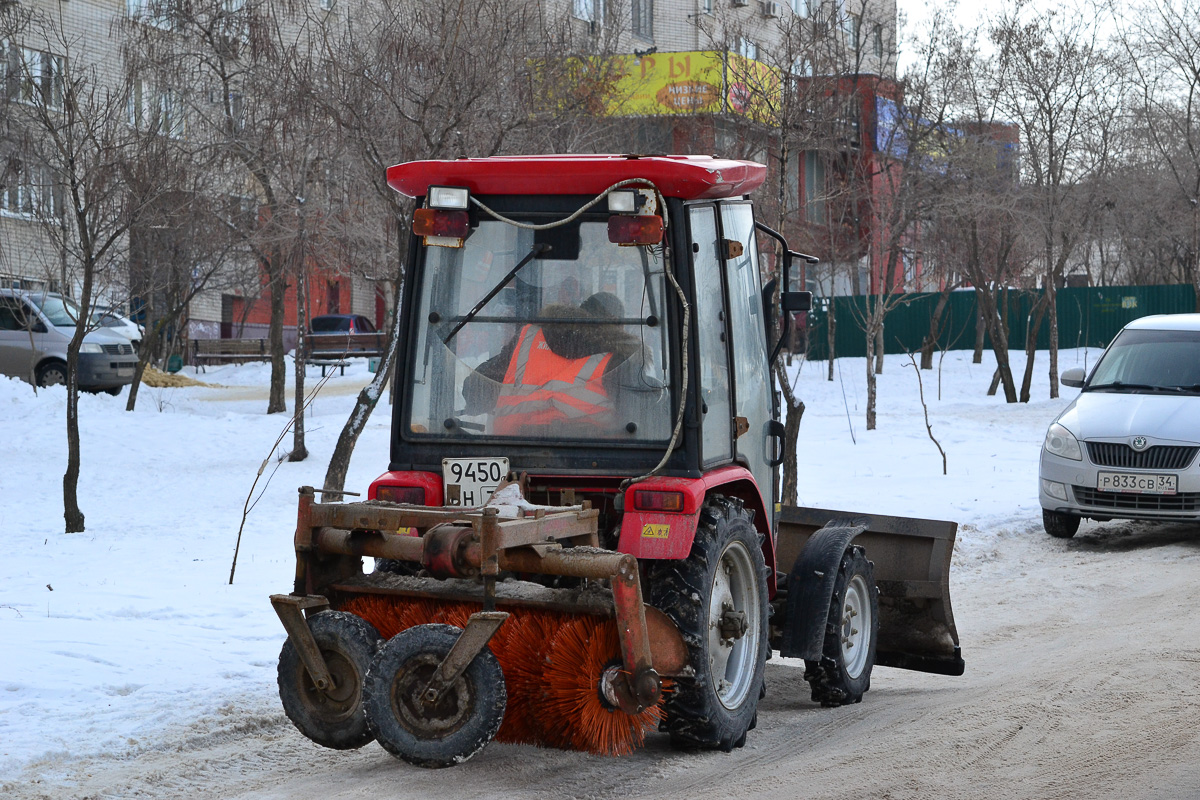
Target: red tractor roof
687, 177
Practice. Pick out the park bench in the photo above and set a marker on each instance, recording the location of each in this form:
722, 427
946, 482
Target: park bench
235, 351
330, 350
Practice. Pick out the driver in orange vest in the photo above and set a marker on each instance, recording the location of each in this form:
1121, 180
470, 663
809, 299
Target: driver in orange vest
553, 374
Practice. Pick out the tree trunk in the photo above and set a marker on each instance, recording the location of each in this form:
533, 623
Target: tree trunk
980, 328
1052, 310
278, 286
831, 335
72, 514
299, 451
790, 485
1031, 332
368, 398
879, 350
870, 382
935, 328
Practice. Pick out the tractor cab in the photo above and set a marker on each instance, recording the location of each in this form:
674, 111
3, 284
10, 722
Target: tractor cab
583, 320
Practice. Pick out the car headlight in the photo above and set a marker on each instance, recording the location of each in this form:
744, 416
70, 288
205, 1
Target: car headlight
88, 347
1061, 442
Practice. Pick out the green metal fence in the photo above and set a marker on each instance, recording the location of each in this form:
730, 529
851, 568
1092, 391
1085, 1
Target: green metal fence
1088, 316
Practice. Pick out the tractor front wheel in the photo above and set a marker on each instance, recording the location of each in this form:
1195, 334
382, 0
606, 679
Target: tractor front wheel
718, 599
332, 718
432, 732
844, 672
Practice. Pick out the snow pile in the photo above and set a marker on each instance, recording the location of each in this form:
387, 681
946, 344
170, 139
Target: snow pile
111, 636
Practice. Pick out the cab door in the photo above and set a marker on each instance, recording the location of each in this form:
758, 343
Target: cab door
748, 345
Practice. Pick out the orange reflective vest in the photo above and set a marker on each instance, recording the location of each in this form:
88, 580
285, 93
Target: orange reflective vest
542, 388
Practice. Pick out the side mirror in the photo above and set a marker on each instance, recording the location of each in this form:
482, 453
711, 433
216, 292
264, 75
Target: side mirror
796, 301
1073, 378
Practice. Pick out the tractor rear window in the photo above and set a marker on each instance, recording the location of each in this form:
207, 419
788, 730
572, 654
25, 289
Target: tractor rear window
571, 345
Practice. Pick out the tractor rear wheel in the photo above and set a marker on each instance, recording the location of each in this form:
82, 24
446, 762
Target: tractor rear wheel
449, 731
844, 672
718, 599
333, 718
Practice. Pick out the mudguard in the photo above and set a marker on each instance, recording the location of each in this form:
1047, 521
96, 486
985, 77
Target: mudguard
810, 588
911, 559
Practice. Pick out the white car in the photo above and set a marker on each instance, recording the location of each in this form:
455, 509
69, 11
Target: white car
1126, 447
111, 320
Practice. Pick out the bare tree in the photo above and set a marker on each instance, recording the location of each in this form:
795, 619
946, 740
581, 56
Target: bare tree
79, 155
1162, 41
1059, 84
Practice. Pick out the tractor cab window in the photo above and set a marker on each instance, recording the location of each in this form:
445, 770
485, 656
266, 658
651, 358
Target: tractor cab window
570, 344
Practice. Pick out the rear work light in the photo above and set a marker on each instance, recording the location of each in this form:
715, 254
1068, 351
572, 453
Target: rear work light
412, 495
640, 229
622, 202
448, 197
658, 501
441, 228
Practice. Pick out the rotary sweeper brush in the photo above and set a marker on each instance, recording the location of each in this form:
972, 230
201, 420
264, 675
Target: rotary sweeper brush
577, 541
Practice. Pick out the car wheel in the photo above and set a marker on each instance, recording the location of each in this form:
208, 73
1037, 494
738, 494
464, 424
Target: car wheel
1058, 525
52, 373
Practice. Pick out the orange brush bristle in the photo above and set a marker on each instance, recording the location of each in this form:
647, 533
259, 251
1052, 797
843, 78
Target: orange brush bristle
573, 713
525, 651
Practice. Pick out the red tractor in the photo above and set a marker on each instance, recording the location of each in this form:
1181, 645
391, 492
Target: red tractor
577, 539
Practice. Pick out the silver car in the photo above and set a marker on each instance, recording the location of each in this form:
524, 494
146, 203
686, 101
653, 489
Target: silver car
35, 328
1126, 448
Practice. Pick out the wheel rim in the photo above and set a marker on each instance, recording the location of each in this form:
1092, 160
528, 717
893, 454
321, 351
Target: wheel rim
734, 628
856, 626
53, 377
450, 713
340, 701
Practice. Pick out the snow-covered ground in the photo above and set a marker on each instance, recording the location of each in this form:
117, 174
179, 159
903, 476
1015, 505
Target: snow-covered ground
110, 638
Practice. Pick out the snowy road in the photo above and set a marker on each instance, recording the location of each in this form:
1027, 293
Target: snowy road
148, 677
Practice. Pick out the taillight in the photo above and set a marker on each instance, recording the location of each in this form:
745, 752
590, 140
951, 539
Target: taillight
635, 229
658, 501
412, 495
441, 224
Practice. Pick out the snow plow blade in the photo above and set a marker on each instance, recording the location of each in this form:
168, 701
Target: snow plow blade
911, 560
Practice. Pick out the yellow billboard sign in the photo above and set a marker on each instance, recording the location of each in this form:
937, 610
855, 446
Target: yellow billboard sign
691, 82
658, 84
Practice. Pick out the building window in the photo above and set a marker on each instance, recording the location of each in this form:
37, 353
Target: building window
588, 10
29, 190
814, 188
706, 6
156, 110
801, 67
643, 18
853, 25
878, 40
150, 12
34, 76
800, 7
746, 48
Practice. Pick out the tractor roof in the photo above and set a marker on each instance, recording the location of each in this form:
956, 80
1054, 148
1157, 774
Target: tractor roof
686, 177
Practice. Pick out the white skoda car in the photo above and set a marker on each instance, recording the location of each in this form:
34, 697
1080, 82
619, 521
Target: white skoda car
1126, 448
